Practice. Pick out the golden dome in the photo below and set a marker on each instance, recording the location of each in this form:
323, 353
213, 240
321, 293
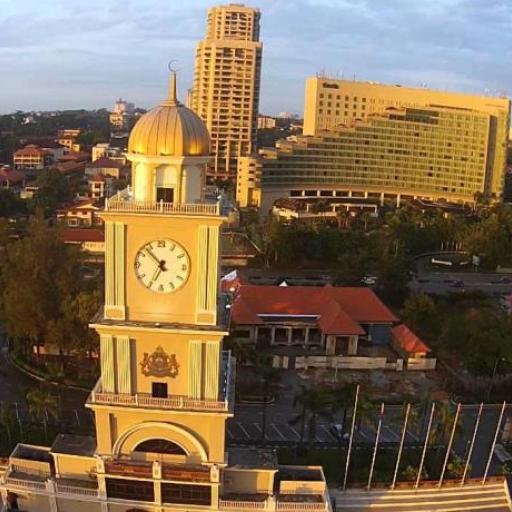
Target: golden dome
170, 129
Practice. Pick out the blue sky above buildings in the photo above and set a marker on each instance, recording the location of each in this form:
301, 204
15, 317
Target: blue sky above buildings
75, 53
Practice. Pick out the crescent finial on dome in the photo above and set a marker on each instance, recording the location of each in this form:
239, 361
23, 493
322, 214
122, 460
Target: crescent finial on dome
172, 99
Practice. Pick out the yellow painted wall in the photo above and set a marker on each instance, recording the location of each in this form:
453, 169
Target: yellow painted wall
72, 466
73, 505
248, 480
179, 306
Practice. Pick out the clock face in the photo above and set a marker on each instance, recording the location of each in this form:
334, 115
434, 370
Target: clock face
162, 265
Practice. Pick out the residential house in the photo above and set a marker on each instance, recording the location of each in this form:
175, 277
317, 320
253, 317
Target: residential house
105, 167
82, 213
100, 186
91, 240
11, 178
31, 157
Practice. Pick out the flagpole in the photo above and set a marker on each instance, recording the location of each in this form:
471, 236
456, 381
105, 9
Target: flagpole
470, 452
427, 435
400, 448
449, 447
377, 437
349, 451
491, 453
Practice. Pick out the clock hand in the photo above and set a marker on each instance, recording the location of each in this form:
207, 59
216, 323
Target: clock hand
153, 257
156, 274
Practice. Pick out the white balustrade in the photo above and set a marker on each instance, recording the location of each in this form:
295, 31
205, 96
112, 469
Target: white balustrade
242, 505
76, 490
122, 201
27, 484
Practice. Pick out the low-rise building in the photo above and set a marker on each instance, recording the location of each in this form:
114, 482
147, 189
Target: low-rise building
31, 157
11, 178
105, 167
100, 186
327, 327
105, 149
248, 182
84, 212
67, 137
91, 240
333, 209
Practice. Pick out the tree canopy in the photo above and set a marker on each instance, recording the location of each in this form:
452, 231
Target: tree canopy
43, 296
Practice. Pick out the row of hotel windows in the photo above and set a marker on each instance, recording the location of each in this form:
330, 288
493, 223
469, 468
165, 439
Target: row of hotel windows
468, 191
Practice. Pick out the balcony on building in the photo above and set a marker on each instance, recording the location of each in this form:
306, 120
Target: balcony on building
124, 201
253, 480
67, 468
224, 403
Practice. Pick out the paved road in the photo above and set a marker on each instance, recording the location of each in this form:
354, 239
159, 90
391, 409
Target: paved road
15, 384
443, 282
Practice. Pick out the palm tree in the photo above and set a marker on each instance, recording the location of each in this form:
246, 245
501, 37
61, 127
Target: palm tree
314, 403
445, 417
269, 378
7, 421
344, 398
41, 405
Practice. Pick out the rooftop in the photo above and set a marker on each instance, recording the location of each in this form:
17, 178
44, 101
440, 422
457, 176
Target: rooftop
105, 163
30, 150
74, 445
339, 310
79, 235
407, 340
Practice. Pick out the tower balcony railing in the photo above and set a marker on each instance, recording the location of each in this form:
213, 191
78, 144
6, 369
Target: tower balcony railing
123, 201
99, 396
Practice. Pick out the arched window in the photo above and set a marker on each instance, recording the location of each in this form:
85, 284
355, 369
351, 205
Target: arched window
160, 446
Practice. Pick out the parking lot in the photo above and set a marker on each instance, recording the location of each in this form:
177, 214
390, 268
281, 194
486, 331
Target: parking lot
246, 428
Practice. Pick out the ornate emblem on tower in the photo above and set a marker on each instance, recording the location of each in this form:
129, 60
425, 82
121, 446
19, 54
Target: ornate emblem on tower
160, 364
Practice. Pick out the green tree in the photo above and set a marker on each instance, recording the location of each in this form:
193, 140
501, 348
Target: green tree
10, 203
40, 279
8, 421
421, 315
53, 189
269, 379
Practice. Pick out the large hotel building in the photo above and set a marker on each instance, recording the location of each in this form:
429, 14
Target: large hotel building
226, 88
367, 140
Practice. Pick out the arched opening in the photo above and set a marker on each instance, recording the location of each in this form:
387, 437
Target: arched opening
162, 446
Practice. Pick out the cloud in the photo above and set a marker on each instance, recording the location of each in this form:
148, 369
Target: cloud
85, 54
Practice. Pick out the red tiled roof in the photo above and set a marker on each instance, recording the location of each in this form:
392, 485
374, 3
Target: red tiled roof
70, 166
341, 310
407, 340
30, 150
75, 156
105, 163
79, 235
97, 177
10, 175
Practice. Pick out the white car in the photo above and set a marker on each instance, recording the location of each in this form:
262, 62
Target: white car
369, 280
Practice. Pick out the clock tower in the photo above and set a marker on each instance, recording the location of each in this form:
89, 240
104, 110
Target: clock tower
165, 388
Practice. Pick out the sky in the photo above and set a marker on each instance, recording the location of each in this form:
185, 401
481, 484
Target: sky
58, 54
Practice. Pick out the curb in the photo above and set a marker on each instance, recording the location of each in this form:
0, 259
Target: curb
37, 377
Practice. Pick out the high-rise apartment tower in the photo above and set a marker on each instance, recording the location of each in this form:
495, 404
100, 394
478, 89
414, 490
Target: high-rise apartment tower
226, 88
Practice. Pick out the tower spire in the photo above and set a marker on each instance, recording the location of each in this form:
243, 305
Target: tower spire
172, 100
